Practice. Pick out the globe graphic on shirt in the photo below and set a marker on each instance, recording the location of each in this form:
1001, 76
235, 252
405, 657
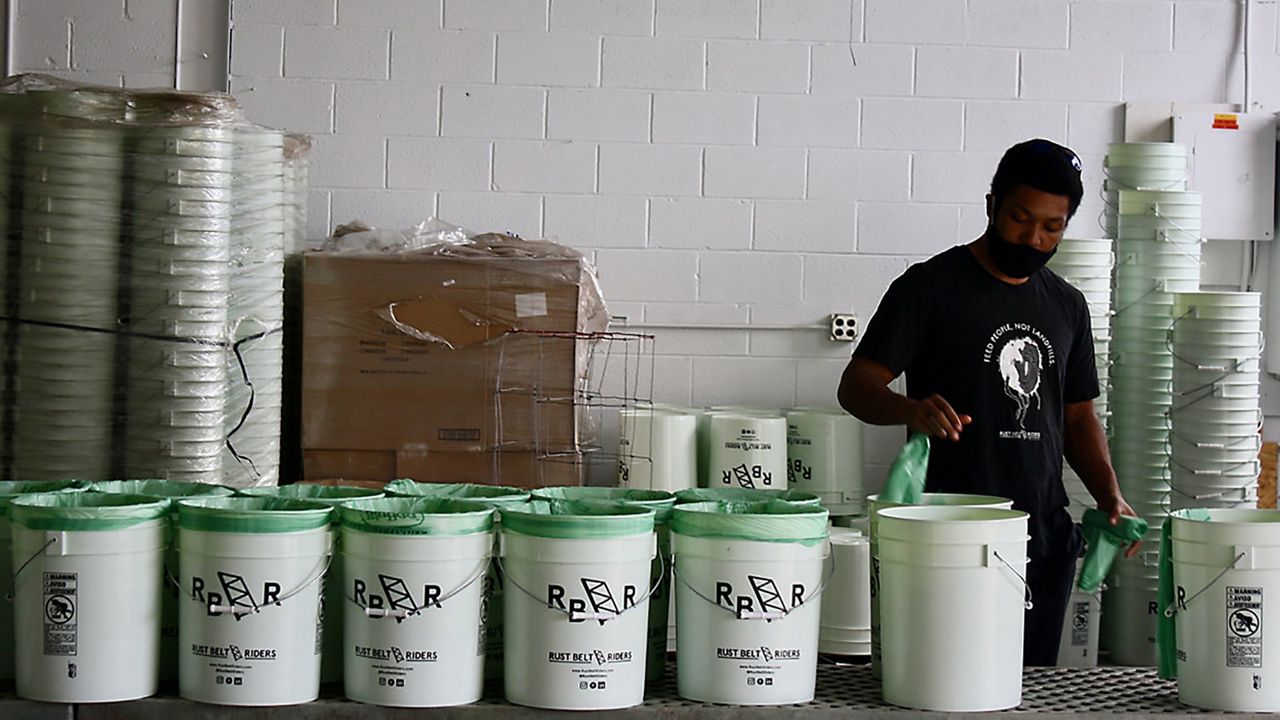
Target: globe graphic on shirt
1020, 370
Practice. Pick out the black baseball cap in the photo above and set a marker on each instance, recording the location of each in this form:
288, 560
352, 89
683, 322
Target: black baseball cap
1041, 164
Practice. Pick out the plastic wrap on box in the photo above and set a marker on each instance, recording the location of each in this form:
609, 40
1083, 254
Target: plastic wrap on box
142, 285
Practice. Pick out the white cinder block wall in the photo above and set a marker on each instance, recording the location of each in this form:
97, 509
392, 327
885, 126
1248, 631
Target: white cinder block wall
727, 162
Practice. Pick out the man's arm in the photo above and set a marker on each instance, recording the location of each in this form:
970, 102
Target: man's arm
1085, 449
864, 392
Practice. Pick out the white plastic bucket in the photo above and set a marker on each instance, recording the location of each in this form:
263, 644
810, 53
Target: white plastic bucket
1130, 608
929, 499
657, 449
824, 457
747, 451
1226, 568
577, 602
87, 585
1078, 646
413, 600
251, 570
749, 580
953, 580
845, 622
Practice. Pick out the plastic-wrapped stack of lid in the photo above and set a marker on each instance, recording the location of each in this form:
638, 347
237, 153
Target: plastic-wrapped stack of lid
142, 284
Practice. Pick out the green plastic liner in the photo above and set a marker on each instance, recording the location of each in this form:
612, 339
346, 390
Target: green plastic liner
416, 516
327, 494
660, 501
159, 488
578, 519
86, 511
701, 495
264, 515
10, 489
492, 494
762, 521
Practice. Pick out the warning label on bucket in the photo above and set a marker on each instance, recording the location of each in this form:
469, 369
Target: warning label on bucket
1080, 624
60, 613
1244, 627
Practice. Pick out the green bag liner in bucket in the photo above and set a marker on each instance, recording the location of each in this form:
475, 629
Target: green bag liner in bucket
327, 494
416, 516
166, 489
252, 514
660, 501
578, 519
73, 511
11, 489
760, 521
702, 495
491, 494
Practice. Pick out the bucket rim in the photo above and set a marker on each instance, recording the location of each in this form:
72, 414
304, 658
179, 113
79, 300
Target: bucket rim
421, 516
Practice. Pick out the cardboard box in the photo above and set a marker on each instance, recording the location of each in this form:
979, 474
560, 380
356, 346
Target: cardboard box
451, 354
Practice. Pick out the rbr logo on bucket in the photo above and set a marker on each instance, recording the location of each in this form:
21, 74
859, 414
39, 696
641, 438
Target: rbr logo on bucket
599, 597
235, 593
396, 596
765, 598
747, 477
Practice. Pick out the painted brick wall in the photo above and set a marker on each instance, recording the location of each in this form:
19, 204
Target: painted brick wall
726, 161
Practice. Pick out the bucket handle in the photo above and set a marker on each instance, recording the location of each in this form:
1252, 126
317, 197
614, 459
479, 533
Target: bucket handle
579, 616
13, 581
238, 611
400, 614
1026, 587
1172, 610
766, 616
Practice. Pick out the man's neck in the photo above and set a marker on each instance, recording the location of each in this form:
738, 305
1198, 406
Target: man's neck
980, 253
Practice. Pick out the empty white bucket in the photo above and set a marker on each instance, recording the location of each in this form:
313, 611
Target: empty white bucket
954, 598
249, 627
824, 457
1078, 646
845, 624
8, 491
749, 580
413, 596
1225, 568
657, 449
747, 451
577, 603
331, 600
1130, 607
495, 496
87, 575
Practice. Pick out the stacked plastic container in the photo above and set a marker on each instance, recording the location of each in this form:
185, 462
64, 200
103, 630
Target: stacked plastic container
1142, 166
1216, 341
1157, 255
1087, 264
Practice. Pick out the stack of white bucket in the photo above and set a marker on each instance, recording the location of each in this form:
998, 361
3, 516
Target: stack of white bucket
1157, 255
657, 448
824, 457
1216, 342
746, 448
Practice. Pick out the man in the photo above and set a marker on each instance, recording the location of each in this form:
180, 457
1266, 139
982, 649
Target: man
998, 356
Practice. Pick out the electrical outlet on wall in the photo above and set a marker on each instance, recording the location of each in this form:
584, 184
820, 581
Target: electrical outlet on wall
843, 327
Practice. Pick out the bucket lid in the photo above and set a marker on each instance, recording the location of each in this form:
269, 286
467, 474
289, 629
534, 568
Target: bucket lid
327, 494
774, 521
85, 511
660, 501
252, 515
416, 516
491, 494
10, 489
166, 489
578, 519
732, 494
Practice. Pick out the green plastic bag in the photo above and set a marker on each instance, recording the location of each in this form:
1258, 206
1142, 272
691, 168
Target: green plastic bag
717, 494
1105, 541
772, 521
659, 501
74, 511
905, 483
429, 516
1166, 620
577, 519
252, 514
491, 494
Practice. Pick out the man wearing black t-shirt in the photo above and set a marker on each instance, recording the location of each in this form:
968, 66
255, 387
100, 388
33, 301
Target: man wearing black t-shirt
998, 356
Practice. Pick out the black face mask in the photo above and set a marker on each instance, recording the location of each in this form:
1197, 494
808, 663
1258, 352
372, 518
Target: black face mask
1015, 259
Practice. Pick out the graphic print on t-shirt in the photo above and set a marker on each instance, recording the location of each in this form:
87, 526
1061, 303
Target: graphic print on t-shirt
1021, 355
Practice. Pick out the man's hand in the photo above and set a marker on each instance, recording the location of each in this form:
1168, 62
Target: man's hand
1115, 506
935, 416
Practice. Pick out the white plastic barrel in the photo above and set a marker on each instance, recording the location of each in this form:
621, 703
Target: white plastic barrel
824, 457
87, 575
749, 582
657, 449
955, 595
251, 571
413, 600
747, 451
576, 603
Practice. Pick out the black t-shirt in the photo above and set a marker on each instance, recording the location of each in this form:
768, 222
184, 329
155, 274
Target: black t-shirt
1010, 356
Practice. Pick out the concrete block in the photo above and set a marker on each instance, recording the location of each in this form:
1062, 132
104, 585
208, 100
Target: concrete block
697, 313
700, 223
598, 115
602, 17
319, 219
805, 226
496, 15
756, 382
390, 209
348, 161
952, 177
652, 63
338, 53
453, 56
912, 124
544, 167
595, 221
1091, 126
479, 111
1216, 27
703, 118
994, 126
764, 67
754, 172
299, 105
437, 164
750, 277
926, 22
966, 72
257, 50
516, 213
389, 108
808, 121
404, 15
546, 59
847, 175
1183, 77
285, 12
708, 19
127, 45
849, 283
648, 274
1122, 26
864, 70
1073, 75
1017, 23
641, 169
817, 380
906, 229
810, 20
